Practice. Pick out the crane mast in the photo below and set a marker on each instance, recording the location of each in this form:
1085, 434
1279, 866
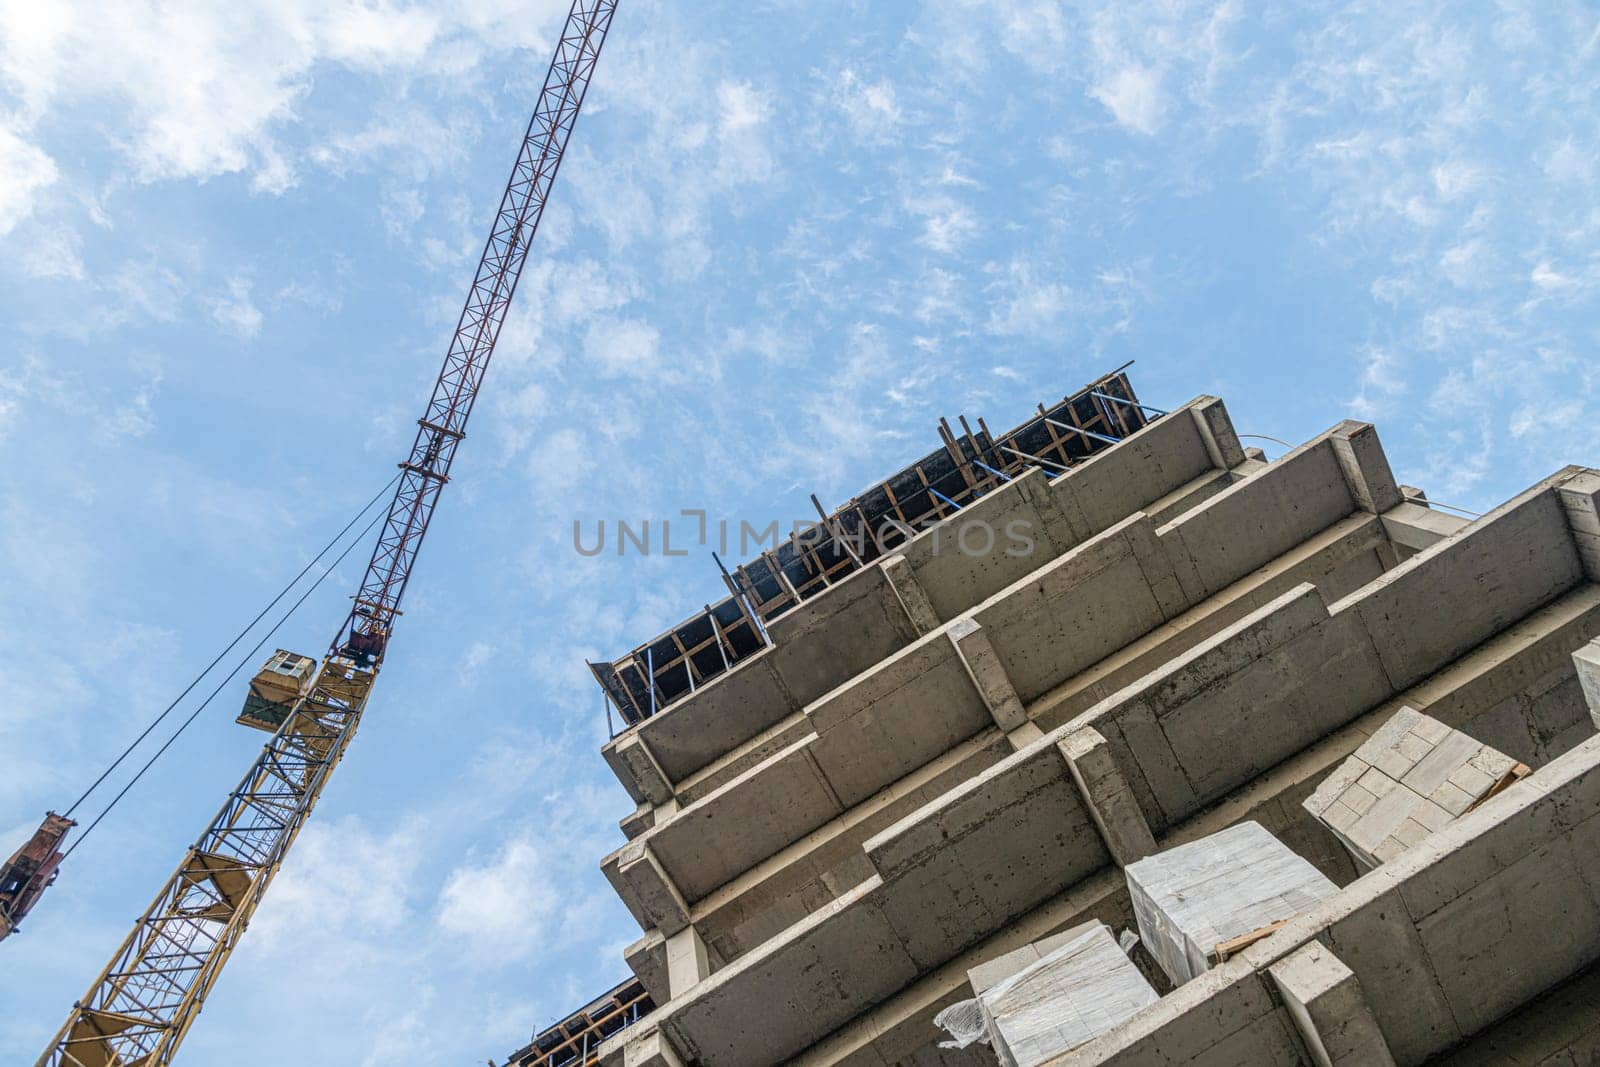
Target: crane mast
143, 1003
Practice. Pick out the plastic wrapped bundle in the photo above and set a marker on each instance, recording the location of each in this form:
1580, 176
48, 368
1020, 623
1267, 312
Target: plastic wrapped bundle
1407, 780
1199, 903
1073, 993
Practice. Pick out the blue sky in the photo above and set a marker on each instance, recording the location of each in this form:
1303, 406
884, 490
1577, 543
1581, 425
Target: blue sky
788, 237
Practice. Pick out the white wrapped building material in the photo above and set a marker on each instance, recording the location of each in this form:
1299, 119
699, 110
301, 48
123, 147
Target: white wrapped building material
1201, 902
1073, 993
1407, 780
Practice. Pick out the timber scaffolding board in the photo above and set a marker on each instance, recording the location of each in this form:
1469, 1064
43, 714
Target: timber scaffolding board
869, 526
575, 1040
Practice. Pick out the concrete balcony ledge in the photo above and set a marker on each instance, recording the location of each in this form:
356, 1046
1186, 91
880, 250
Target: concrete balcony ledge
1519, 690
919, 704
1169, 465
1442, 941
1297, 668
961, 868
1062, 619
1016, 824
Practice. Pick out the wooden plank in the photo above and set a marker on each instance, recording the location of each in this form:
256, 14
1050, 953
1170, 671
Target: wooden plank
1235, 945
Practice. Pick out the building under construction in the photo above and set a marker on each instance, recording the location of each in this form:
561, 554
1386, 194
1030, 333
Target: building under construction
1240, 762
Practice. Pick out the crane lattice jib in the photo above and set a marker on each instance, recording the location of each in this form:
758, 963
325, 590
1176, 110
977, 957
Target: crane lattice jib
140, 1007
442, 427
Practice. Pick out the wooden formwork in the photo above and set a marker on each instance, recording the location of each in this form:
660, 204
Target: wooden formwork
862, 530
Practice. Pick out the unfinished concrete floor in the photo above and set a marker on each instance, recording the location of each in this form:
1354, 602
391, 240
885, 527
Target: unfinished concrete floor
946, 757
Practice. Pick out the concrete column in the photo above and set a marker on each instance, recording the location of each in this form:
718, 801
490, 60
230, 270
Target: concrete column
912, 597
655, 894
640, 764
650, 1049
988, 674
1216, 430
1329, 1009
1580, 496
1587, 661
687, 961
1109, 796
1059, 532
1366, 468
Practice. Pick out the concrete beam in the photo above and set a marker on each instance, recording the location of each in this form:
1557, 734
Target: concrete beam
643, 817
658, 899
1457, 594
1416, 527
1366, 468
1580, 496
1109, 797
1329, 1009
1587, 662
650, 1049
988, 674
912, 596
688, 964
647, 959
1216, 430
641, 766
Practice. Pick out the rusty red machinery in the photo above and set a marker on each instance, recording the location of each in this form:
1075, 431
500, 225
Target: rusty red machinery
30, 870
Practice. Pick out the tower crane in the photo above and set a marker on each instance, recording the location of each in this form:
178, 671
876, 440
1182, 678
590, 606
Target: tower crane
143, 1003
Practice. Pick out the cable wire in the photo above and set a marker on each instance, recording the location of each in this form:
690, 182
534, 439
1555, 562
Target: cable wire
1269, 437
248, 658
126, 752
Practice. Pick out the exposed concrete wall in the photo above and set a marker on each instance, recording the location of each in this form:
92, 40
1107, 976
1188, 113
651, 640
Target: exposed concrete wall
1445, 940
898, 1029
881, 726
854, 624
1560, 1028
887, 815
783, 889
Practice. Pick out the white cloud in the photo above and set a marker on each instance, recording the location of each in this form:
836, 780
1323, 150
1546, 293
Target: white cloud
622, 348
1027, 304
1381, 382
25, 170
559, 463
235, 311
199, 91
1134, 96
51, 252
1455, 178
744, 154
147, 289
1465, 264
349, 884
136, 417
871, 108
947, 224
502, 908
1548, 278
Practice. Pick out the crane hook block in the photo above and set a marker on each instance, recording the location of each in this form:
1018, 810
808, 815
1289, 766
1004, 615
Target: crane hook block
280, 684
30, 870
364, 649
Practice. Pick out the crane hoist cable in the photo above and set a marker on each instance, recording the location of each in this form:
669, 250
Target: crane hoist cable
140, 1007
34, 866
243, 662
240, 636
